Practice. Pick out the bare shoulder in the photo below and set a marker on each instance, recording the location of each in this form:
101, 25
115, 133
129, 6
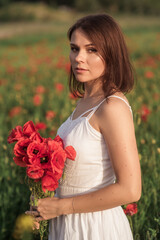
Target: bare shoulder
117, 104
115, 113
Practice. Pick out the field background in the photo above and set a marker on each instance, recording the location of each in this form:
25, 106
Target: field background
34, 69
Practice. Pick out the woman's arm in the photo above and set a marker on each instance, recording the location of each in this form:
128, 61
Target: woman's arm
116, 125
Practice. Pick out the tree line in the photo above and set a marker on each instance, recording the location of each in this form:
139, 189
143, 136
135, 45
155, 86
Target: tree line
130, 6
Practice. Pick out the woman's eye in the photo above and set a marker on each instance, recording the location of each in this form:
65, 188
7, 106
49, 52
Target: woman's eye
92, 50
74, 49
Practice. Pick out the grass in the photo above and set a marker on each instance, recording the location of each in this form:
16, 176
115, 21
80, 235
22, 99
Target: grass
30, 59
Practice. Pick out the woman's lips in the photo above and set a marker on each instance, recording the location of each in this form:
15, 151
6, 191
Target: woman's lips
80, 70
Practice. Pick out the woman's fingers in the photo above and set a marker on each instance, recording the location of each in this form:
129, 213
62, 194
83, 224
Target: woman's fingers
38, 219
36, 225
33, 213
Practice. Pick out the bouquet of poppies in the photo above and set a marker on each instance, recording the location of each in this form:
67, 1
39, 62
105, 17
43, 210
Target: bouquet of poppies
44, 160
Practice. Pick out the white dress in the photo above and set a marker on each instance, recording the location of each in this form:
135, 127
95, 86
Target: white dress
91, 170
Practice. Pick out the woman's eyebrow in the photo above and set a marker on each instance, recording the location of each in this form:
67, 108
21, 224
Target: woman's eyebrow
87, 45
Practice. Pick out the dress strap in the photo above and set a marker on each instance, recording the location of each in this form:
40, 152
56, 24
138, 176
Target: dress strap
86, 112
121, 99
94, 109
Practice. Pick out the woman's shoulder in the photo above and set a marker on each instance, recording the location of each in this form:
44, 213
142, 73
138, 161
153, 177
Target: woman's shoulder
113, 102
116, 106
115, 115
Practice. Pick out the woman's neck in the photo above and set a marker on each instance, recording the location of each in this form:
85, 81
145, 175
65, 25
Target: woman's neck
93, 91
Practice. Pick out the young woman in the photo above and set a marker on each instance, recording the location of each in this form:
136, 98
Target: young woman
106, 172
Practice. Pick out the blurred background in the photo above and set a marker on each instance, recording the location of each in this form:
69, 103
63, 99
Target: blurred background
34, 70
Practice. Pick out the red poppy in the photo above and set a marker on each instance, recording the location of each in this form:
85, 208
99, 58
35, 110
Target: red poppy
131, 209
35, 136
40, 89
71, 153
20, 148
41, 126
53, 145
37, 100
36, 149
59, 87
71, 96
15, 135
35, 172
49, 182
29, 128
144, 112
21, 161
15, 111
149, 74
59, 140
58, 160
68, 67
44, 158
18, 86
50, 115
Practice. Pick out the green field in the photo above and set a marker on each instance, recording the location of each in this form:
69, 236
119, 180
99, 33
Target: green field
34, 86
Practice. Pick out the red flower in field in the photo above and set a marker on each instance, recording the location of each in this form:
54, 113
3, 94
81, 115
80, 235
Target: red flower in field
35, 172
41, 126
144, 112
60, 62
52, 132
131, 209
50, 115
68, 67
3, 82
156, 96
22, 69
15, 135
18, 86
15, 111
149, 74
150, 61
29, 128
71, 96
40, 89
59, 87
10, 69
49, 182
37, 100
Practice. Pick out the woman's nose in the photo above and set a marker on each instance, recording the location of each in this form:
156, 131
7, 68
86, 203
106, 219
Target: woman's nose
80, 57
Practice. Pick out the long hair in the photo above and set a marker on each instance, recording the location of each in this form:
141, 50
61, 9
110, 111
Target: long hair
106, 35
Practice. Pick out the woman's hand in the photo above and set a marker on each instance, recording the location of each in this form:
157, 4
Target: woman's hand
47, 208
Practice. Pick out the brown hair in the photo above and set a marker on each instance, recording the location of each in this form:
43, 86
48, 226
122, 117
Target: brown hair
107, 36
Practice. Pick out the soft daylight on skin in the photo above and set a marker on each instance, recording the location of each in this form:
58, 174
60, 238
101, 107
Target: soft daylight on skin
87, 64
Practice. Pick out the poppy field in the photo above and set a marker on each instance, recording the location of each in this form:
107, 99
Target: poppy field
34, 71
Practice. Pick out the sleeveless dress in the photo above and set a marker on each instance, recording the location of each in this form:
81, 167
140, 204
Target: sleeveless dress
91, 170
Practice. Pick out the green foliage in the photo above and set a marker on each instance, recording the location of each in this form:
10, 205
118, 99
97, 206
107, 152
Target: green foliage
29, 10
32, 61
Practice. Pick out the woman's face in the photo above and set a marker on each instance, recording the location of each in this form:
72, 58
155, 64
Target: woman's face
86, 62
